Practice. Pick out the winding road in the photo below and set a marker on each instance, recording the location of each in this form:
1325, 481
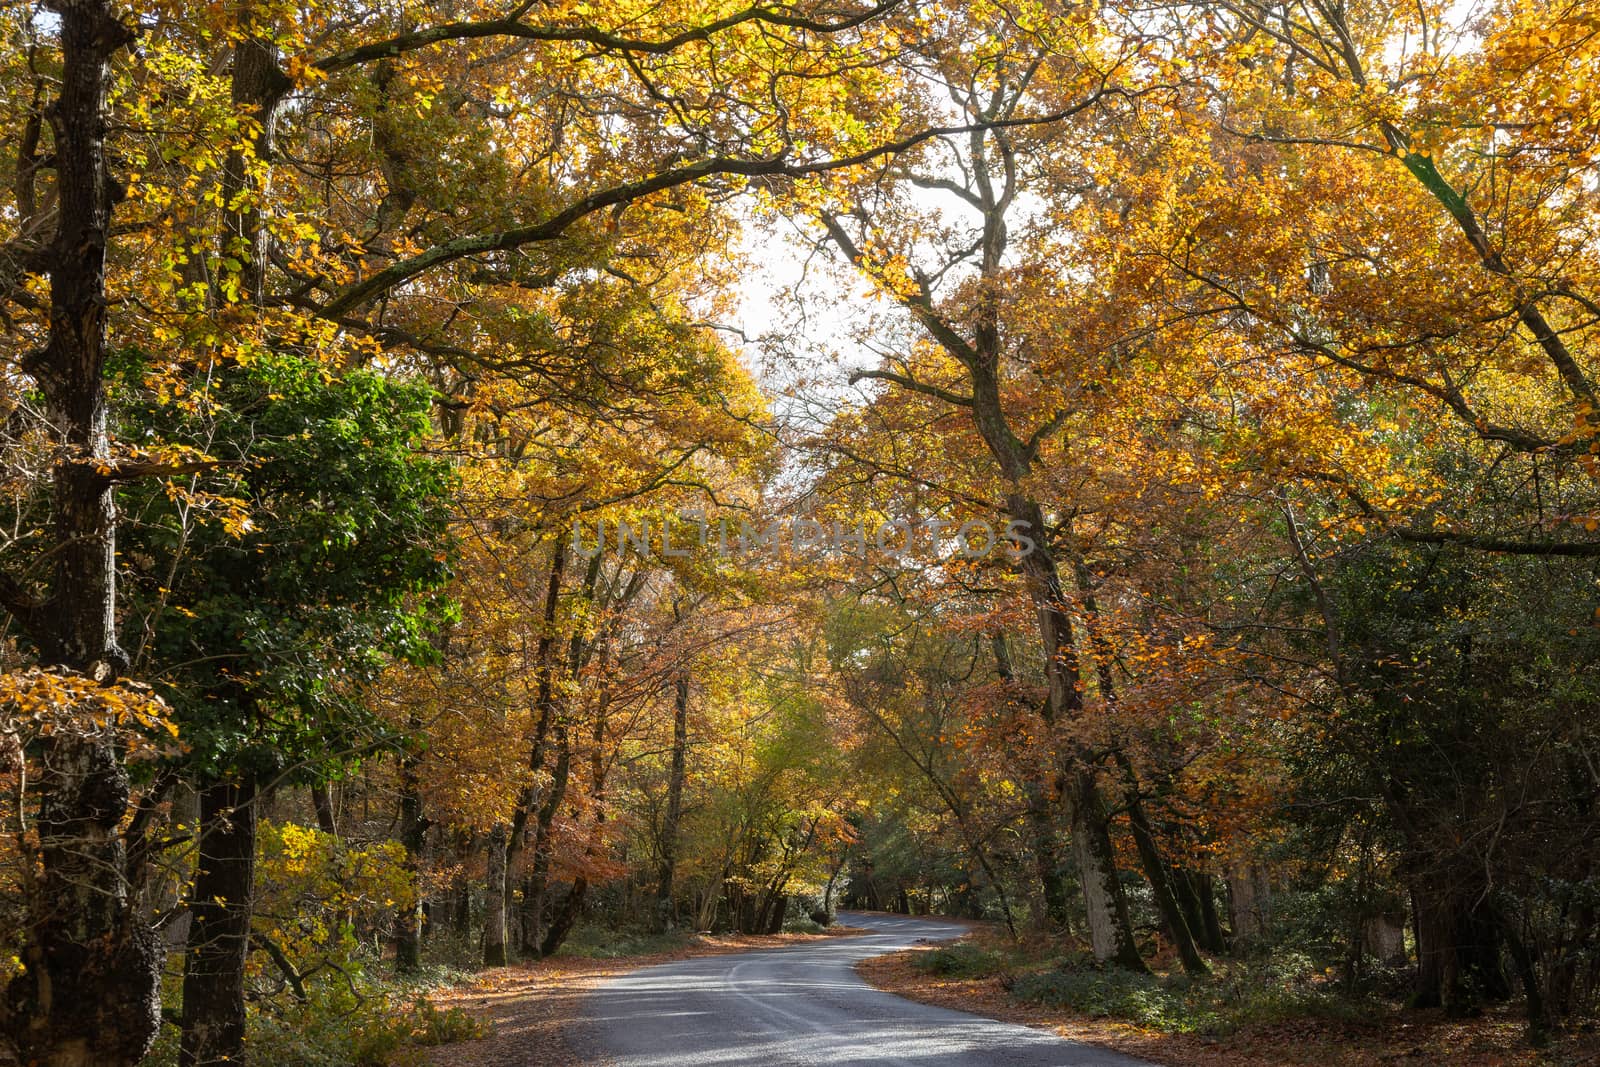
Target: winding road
805, 1005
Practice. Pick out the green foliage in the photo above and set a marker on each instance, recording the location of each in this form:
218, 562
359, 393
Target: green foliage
432, 1026
275, 584
387, 1029
595, 942
315, 895
1472, 683
367, 1024
961, 960
1274, 989
1144, 999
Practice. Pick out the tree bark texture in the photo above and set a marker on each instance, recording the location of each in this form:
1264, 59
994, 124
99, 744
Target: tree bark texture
219, 936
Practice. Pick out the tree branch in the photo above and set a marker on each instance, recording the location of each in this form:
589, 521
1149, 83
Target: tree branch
556, 225
1585, 549
908, 382
131, 470
281, 958
512, 26
17, 601
1051, 425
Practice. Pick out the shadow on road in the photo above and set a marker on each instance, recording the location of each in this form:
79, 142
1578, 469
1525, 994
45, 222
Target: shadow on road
805, 1005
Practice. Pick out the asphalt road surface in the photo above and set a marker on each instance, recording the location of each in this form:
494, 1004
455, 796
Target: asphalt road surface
805, 1005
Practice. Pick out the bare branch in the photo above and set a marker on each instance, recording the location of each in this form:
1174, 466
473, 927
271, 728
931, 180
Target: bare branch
907, 382
1484, 543
513, 26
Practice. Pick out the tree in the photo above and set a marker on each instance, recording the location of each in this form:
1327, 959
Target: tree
264, 624
87, 941
232, 261
970, 334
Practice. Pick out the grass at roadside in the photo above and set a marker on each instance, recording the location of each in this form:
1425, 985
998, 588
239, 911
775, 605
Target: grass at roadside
1246, 1014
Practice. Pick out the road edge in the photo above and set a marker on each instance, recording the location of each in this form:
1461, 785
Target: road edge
895, 973
536, 1008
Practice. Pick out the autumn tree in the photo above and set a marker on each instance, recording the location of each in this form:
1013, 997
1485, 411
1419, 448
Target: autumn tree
246, 246
998, 91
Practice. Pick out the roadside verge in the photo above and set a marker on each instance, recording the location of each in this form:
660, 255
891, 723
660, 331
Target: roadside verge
897, 973
1495, 1039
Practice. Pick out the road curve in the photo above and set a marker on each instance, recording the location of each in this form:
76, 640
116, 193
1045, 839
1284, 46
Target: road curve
805, 1005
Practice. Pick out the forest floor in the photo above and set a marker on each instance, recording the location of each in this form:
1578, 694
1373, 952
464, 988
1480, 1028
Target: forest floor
535, 1008
1496, 1039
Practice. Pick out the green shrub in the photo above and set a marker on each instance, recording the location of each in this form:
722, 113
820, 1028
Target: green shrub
961, 960
451, 955
387, 1027
1160, 1004
385, 1032
607, 943
430, 1026
1267, 990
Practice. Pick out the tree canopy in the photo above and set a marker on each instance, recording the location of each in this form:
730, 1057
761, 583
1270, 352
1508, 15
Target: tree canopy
1164, 522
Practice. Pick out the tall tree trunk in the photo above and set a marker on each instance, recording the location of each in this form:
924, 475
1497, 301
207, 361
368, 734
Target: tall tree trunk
562, 922
1110, 927
1043, 838
461, 888
1564, 967
1045, 845
1458, 944
219, 939
1536, 1006
413, 833
977, 345
494, 900
1182, 882
544, 717
1205, 891
1158, 875
665, 912
89, 989
536, 886
1249, 904
565, 917
258, 86
322, 804
833, 880
167, 887
219, 935
1144, 838
773, 911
